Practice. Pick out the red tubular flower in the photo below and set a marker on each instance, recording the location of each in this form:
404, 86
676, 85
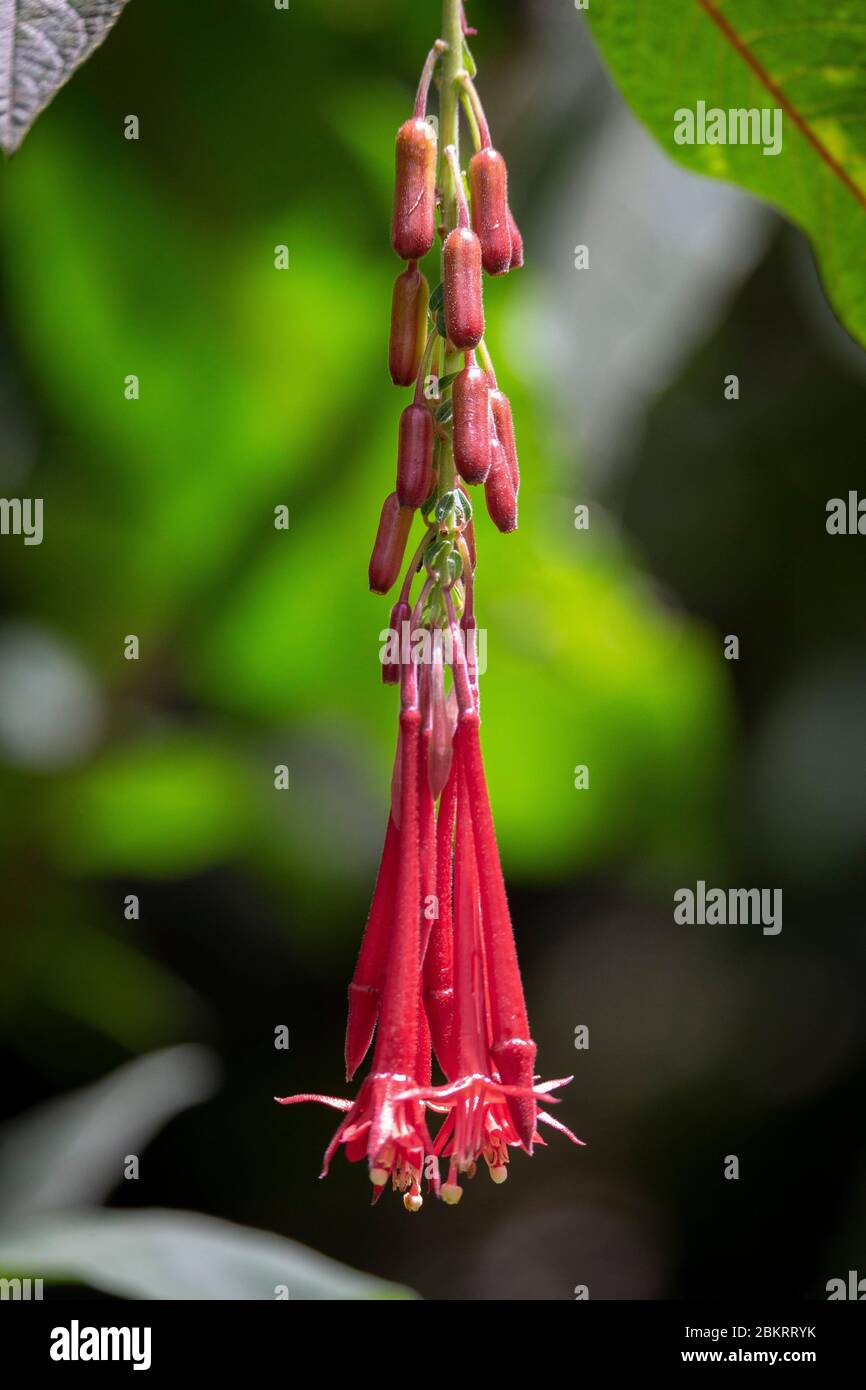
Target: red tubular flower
386, 1123
438, 983
492, 1096
511, 1048
487, 1115
365, 989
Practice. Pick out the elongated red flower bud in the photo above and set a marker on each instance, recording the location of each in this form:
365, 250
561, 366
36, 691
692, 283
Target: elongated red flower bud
413, 224
389, 545
464, 303
488, 189
408, 326
414, 456
471, 419
499, 491
401, 613
503, 423
516, 242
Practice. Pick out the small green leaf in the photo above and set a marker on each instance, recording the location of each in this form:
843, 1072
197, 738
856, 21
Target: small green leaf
469, 62
445, 381
437, 298
443, 412
454, 502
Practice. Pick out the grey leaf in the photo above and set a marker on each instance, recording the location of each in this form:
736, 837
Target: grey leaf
179, 1255
71, 1150
42, 42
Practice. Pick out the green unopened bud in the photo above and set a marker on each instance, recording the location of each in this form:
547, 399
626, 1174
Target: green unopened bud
454, 510
436, 557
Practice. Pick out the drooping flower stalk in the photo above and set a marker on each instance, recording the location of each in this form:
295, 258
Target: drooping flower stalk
438, 968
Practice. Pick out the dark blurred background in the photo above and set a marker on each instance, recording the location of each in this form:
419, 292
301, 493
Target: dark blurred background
261, 387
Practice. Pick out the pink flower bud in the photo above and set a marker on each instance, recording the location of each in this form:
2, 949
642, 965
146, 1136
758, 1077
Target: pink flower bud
442, 727
401, 613
414, 456
389, 545
488, 188
516, 242
413, 225
503, 423
471, 417
464, 306
499, 491
408, 326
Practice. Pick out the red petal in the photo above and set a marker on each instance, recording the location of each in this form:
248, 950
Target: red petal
364, 991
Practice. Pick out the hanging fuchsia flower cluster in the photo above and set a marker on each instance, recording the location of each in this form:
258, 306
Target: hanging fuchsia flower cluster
437, 972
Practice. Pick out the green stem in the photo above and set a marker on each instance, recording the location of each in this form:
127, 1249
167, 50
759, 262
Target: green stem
449, 122
469, 112
449, 134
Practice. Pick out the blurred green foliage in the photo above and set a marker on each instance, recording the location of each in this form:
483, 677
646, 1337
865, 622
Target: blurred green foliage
260, 387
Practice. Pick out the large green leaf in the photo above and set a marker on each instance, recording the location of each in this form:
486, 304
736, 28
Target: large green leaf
179, 1255
808, 60
70, 1150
